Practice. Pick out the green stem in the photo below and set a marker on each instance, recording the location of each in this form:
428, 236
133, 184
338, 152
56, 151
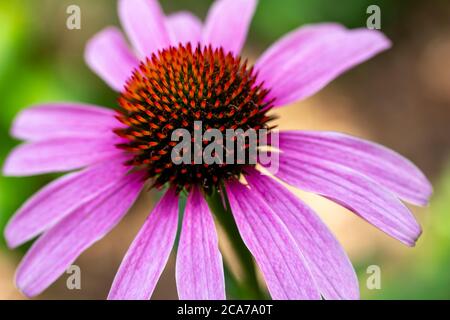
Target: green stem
249, 287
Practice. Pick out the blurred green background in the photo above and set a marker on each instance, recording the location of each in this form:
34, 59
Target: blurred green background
400, 99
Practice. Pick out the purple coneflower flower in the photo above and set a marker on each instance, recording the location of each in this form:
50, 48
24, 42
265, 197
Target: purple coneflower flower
183, 70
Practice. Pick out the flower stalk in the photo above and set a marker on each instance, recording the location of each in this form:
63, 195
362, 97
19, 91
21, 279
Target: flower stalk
249, 287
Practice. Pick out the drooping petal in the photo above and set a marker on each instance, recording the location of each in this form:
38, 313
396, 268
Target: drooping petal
385, 166
271, 243
145, 260
61, 197
184, 28
109, 56
328, 262
144, 23
228, 23
57, 155
57, 249
58, 120
305, 61
352, 190
199, 268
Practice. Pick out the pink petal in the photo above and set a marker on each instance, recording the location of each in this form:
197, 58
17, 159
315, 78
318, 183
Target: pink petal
48, 121
328, 262
109, 56
305, 61
385, 166
199, 262
57, 249
144, 22
271, 243
227, 24
291, 45
184, 28
58, 155
60, 198
352, 190
148, 255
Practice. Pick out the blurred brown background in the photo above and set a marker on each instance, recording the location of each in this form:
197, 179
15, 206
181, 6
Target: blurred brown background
400, 99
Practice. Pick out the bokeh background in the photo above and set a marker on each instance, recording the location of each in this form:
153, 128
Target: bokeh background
400, 99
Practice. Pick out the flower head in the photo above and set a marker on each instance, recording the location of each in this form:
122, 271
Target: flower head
182, 71
177, 87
